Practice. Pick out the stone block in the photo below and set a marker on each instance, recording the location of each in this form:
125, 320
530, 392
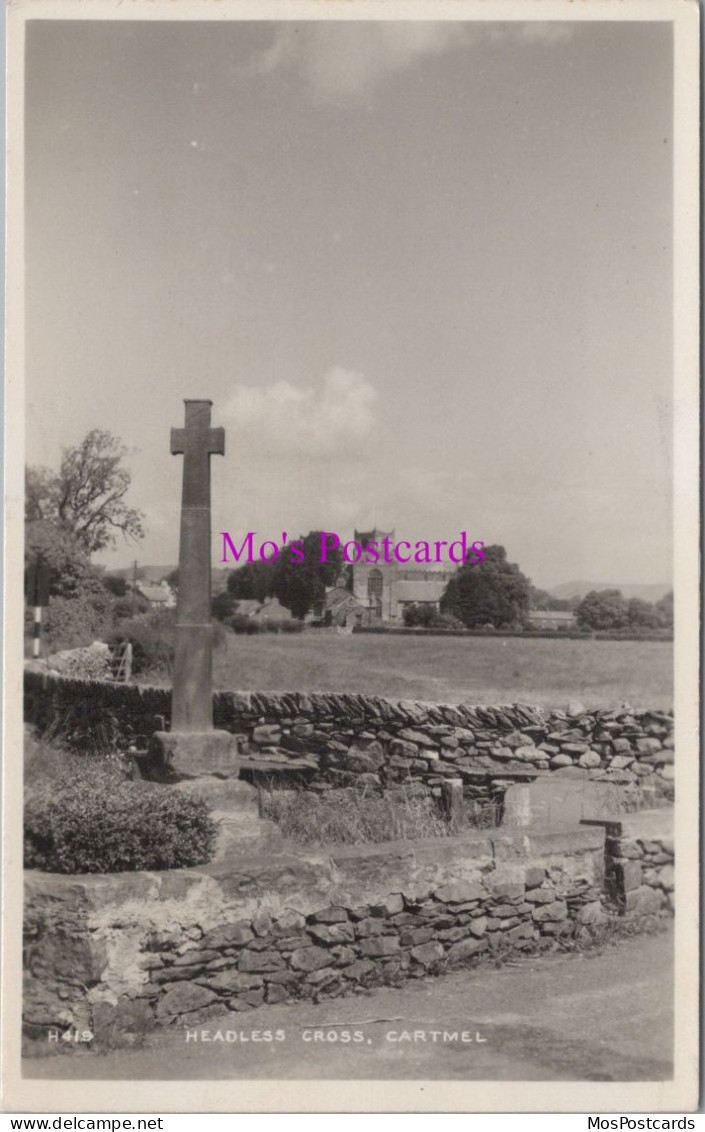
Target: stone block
332, 933
460, 891
465, 948
184, 998
644, 901
228, 935
231, 981
428, 953
309, 959
558, 910
629, 874
336, 915
417, 937
259, 961
389, 906
381, 945
186, 754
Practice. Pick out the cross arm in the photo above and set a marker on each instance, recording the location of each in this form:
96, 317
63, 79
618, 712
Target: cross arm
211, 440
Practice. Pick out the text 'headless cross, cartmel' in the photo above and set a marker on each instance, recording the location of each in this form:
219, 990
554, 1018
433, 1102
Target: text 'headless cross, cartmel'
192, 696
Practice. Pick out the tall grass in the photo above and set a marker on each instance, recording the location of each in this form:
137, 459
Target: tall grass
358, 816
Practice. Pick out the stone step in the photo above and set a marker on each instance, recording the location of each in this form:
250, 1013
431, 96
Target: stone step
225, 794
245, 835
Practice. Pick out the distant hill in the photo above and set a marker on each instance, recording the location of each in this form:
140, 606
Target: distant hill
145, 573
648, 592
219, 576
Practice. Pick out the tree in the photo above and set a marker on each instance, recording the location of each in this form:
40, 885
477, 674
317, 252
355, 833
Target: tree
664, 610
603, 609
642, 614
71, 571
86, 498
542, 600
115, 585
172, 579
254, 581
81, 609
493, 592
301, 586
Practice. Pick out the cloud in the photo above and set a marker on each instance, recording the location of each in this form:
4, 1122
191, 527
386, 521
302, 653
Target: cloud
349, 60
339, 62
333, 419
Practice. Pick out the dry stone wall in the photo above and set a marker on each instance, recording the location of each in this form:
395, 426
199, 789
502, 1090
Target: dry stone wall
333, 740
639, 863
122, 954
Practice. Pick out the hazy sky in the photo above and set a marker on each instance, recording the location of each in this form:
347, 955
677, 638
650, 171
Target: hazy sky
422, 270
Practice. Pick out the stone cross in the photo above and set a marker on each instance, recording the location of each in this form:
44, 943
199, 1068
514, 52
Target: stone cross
192, 696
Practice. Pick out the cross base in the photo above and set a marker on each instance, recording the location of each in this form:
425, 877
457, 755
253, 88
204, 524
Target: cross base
193, 754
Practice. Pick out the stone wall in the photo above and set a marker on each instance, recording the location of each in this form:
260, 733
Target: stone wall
123, 953
639, 862
331, 740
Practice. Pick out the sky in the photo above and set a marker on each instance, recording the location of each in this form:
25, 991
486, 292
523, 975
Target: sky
423, 271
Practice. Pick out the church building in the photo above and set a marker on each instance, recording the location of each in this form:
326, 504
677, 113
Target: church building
385, 588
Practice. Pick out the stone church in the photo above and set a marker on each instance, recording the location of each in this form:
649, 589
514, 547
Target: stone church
385, 588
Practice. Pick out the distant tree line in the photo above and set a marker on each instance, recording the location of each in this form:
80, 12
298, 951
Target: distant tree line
609, 609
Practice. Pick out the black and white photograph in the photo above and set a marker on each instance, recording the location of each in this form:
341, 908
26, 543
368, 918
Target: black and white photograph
351, 665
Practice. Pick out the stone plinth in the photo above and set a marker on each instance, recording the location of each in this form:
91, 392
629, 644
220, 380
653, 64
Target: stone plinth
193, 754
235, 807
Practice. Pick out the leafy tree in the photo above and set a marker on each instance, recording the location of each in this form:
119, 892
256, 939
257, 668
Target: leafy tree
223, 605
664, 610
301, 586
642, 614
493, 592
603, 609
115, 585
254, 581
71, 572
542, 600
86, 498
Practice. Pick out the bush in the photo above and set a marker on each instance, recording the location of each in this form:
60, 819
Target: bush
423, 616
239, 623
289, 626
86, 815
71, 622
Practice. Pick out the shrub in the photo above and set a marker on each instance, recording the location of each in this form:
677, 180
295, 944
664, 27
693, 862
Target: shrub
291, 625
71, 622
239, 623
86, 815
423, 616
152, 636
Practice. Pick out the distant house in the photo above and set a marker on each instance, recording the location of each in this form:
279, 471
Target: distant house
270, 611
343, 609
159, 595
247, 606
427, 590
552, 619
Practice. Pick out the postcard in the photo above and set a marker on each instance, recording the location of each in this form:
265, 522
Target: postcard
351, 571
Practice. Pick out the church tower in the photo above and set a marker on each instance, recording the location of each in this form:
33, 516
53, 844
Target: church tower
375, 585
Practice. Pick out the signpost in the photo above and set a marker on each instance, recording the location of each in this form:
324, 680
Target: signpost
38, 581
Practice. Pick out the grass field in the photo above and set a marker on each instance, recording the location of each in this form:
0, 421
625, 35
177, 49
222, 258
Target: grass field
478, 670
